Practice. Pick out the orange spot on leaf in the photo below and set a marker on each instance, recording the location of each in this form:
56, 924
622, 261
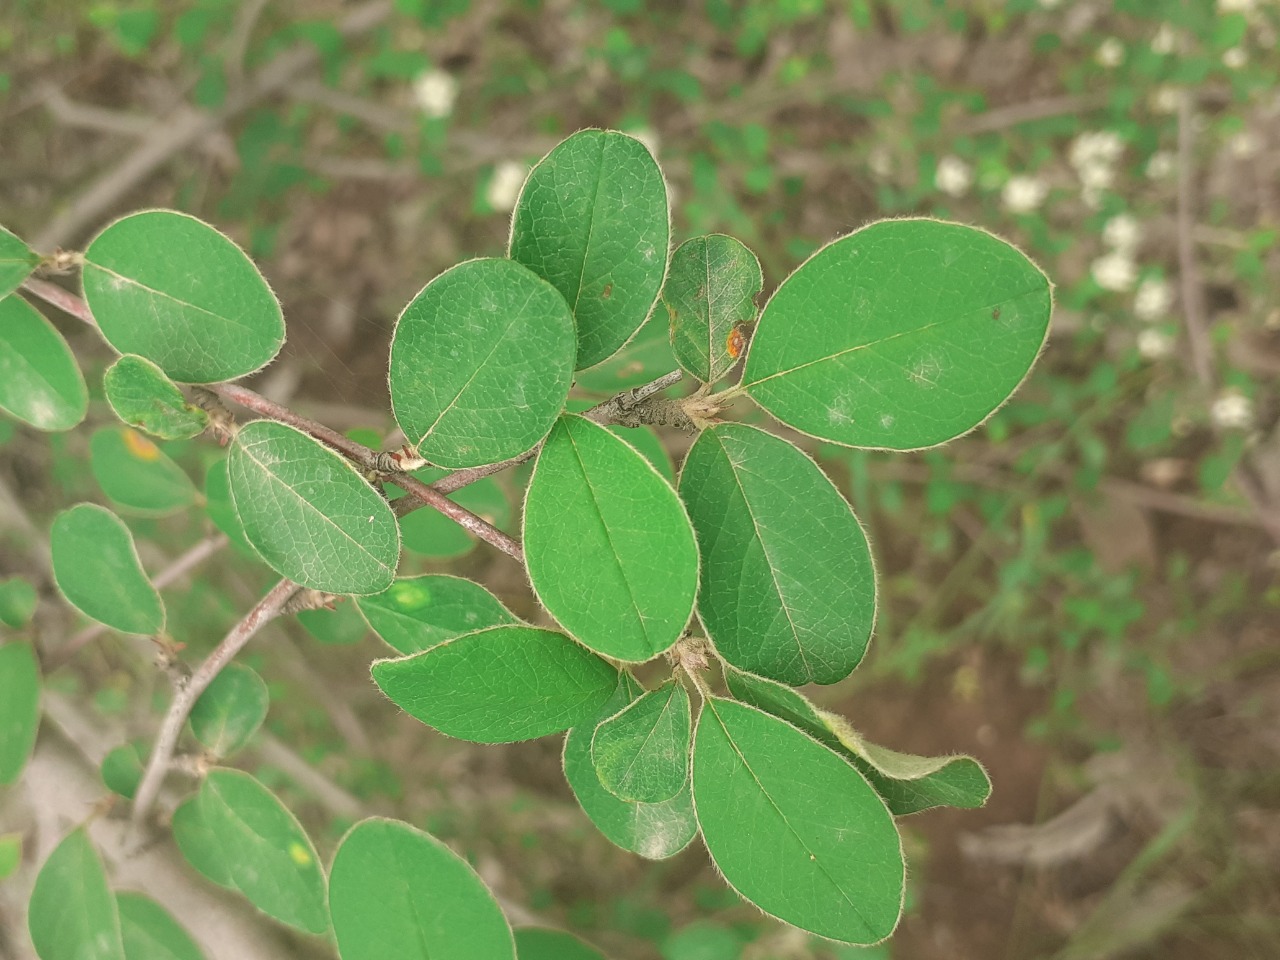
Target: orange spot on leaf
140, 446
735, 342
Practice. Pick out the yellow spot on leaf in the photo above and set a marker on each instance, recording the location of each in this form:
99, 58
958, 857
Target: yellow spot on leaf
300, 854
140, 446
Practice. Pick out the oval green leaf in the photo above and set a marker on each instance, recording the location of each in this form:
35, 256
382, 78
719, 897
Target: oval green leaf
499, 685
137, 475
431, 534
592, 219
544, 943
598, 513
481, 363
641, 754
72, 914
269, 857
902, 335
221, 511
198, 845
151, 933
17, 260
398, 892
908, 783
17, 602
310, 515
171, 288
10, 854
416, 613
40, 383
97, 569
338, 626
230, 711
122, 768
788, 585
825, 857
19, 708
645, 357
652, 830
710, 295
143, 397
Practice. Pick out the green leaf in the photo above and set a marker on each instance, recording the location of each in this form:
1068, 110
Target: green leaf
137, 475
19, 708
150, 933
97, 569
17, 602
592, 218
230, 711
416, 613
499, 685
432, 534
310, 515
268, 855
40, 383
143, 397
398, 892
630, 541
72, 914
10, 854
198, 844
646, 357
481, 363
902, 335
650, 447
907, 783
221, 510
707, 940
122, 768
710, 294
788, 585
826, 858
652, 830
168, 287
543, 943
641, 754
17, 260
340, 626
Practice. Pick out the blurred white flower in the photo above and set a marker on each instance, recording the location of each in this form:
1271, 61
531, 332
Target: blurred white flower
1123, 232
649, 137
1166, 99
1094, 147
1154, 344
1160, 165
504, 185
953, 176
1114, 271
1235, 58
1153, 299
1232, 410
1164, 41
1022, 194
880, 162
1110, 52
1243, 144
1236, 6
435, 92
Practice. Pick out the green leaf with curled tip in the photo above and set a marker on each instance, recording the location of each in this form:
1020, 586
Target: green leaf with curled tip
416, 613
309, 514
655, 831
122, 768
151, 933
901, 335
788, 585
544, 943
481, 363
137, 475
593, 220
97, 569
168, 287
19, 708
17, 260
631, 539
143, 397
710, 296
230, 711
907, 783
826, 858
40, 382
499, 685
72, 914
641, 753
398, 892
268, 856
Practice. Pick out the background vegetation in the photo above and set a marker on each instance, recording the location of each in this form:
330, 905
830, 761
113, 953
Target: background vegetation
1084, 593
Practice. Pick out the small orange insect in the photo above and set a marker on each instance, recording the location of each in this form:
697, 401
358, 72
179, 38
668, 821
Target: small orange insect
735, 342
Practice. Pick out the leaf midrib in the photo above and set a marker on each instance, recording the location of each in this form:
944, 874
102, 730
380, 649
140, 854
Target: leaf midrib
161, 294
